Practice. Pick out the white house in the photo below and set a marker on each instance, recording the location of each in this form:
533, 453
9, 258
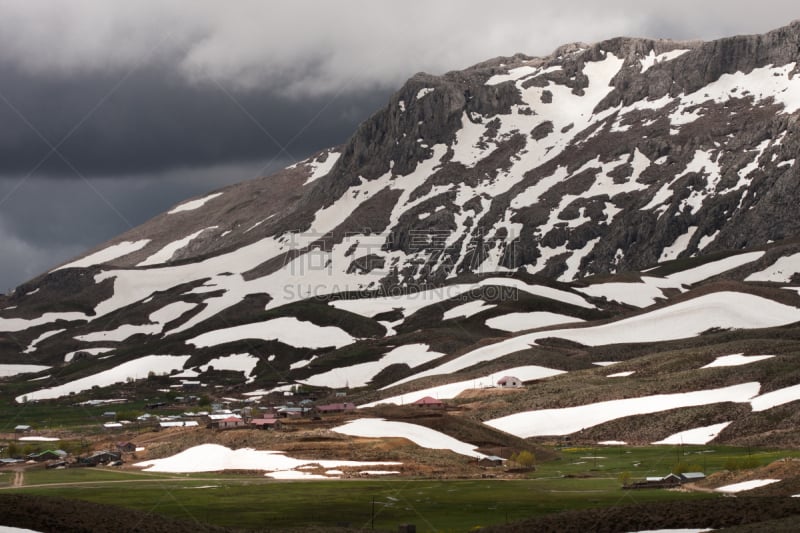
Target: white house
509, 382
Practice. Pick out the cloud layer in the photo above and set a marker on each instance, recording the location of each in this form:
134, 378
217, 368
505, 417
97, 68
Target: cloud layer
305, 47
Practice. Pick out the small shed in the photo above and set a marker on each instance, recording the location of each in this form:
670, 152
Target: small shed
22, 428
126, 447
689, 477
48, 455
430, 403
101, 457
509, 382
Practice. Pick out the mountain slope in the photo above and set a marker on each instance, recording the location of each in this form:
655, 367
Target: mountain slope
490, 220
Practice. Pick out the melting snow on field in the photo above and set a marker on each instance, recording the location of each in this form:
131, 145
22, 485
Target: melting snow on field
320, 169
214, 458
568, 420
170, 312
47, 334
108, 254
238, 362
91, 351
194, 204
121, 333
288, 330
13, 370
746, 485
701, 435
451, 390
775, 398
736, 360
781, 271
468, 309
653, 59
419, 435
136, 369
684, 319
167, 252
359, 375
522, 321
645, 292
410, 303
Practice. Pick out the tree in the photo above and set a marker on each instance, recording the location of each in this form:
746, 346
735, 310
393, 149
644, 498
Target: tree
624, 478
12, 450
525, 459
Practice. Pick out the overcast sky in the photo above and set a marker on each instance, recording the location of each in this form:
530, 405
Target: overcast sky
111, 112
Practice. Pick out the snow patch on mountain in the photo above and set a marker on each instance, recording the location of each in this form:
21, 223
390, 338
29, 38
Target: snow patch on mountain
781, 271
361, 374
167, 252
684, 319
736, 360
136, 369
288, 330
701, 435
193, 204
568, 420
515, 322
105, 255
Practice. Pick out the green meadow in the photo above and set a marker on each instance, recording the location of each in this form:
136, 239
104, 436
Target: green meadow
582, 478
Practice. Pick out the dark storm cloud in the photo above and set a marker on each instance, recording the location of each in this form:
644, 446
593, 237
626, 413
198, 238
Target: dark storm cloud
51, 219
153, 120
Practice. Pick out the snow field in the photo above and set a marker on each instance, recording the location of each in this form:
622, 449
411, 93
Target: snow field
108, 254
568, 420
419, 435
13, 370
413, 302
701, 435
736, 360
168, 251
214, 458
288, 330
646, 292
320, 169
515, 322
781, 271
746, 485
193, 204
238, 362
361, 374
684, 319
468, 309
136, 369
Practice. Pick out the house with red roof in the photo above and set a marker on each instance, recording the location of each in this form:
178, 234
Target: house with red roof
429, 402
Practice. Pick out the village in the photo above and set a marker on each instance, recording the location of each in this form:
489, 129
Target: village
30, 446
